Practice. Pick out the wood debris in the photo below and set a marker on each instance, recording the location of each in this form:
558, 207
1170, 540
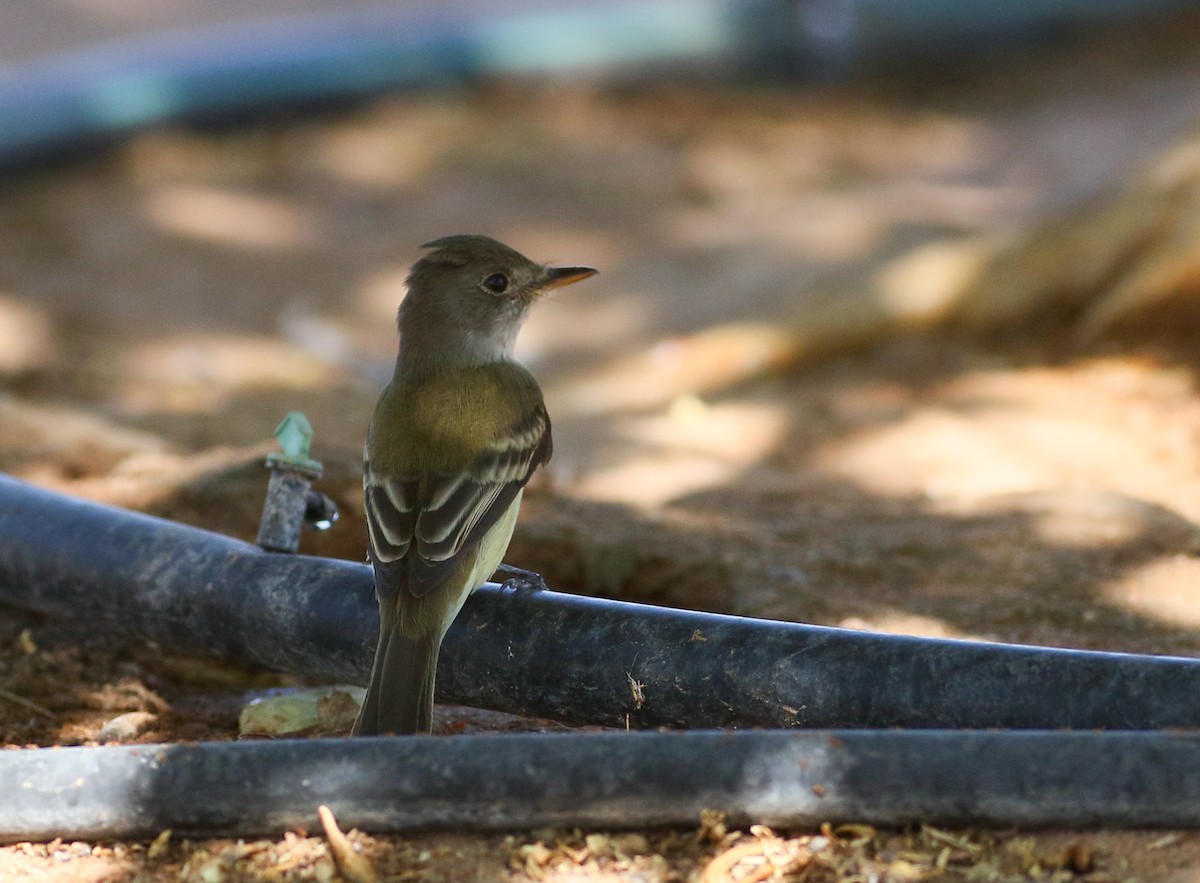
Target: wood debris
356, 867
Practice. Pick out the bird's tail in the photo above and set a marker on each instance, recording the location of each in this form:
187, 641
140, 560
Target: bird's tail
400, 695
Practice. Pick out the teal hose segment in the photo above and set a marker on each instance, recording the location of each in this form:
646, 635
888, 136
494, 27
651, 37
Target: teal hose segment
101, 94
108, 91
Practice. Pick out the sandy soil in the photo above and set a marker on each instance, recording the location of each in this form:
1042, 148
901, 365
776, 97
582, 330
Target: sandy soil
163, 305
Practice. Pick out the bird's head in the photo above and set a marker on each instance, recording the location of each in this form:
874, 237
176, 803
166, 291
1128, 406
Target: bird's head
469, 295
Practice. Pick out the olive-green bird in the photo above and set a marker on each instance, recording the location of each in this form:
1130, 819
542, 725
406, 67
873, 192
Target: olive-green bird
454, 438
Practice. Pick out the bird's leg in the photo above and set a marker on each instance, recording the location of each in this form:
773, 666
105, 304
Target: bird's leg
521, 580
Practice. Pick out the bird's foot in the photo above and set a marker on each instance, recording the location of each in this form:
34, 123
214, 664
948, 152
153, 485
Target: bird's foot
521, 580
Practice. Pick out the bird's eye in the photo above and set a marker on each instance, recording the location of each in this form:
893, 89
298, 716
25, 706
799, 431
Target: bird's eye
497, 283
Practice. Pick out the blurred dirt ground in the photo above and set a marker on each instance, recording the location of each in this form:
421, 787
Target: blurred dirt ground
790, 393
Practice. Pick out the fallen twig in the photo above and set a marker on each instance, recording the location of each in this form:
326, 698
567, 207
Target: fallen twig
26, 703
357, 868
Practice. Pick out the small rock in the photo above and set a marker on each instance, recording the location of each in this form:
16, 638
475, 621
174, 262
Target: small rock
598, 844
26, 644
159, 845
212, 872
292, 712
127, 726
631, 844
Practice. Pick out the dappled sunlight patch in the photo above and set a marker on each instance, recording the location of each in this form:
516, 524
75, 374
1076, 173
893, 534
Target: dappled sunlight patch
171, 155
711, 360
817, 227
227, 217
379, 296
27, 336
903, 622
688, 447
997, 432
152, 479
654, 479
396, 146
761, 150
50, 444
1164, 590
926, 284
197, 372
1084, 519
936, 454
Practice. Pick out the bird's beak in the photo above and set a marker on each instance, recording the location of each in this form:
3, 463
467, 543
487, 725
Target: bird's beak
557, 277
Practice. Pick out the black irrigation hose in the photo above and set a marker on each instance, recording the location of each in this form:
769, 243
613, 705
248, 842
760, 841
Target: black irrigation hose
554, 655
577, 658
618, 780
548, 654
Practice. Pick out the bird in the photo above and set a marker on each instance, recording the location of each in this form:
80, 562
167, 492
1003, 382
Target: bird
453, 440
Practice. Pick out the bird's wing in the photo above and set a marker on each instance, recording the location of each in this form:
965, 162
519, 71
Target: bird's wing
420, 527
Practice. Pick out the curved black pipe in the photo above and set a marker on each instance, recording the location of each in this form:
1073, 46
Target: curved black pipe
620, 780
560, 656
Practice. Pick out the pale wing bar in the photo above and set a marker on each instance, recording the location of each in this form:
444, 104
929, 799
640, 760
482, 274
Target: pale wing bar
444, 515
